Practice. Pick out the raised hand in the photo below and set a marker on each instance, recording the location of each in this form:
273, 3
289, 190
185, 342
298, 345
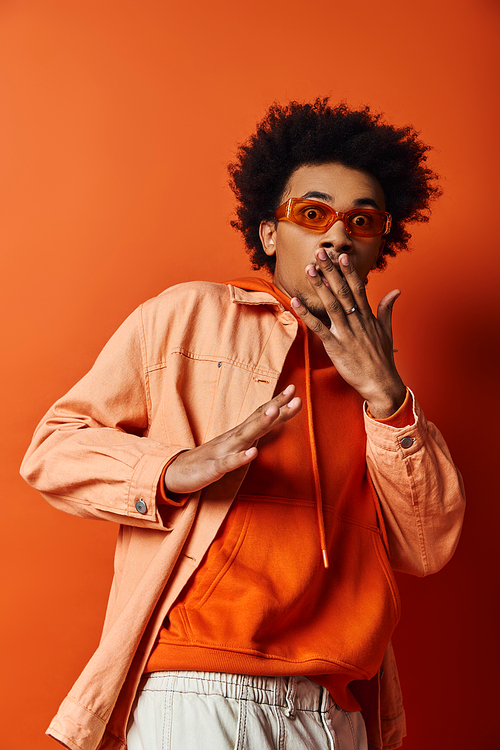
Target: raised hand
358, 343
199, 467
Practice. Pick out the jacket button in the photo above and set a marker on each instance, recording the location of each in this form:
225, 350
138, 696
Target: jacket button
141, 506
407, 442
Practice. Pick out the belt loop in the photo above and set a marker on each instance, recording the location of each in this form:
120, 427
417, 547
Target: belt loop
291, 691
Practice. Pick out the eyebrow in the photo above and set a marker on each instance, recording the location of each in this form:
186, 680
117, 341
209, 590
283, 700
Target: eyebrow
325, 197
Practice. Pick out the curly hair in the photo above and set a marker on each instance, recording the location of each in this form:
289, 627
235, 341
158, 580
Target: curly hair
314, 133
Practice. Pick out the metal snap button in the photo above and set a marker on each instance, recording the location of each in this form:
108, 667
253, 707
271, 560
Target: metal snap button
407, 442
141, 506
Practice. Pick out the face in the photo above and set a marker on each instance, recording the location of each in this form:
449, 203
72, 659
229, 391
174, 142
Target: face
342, 188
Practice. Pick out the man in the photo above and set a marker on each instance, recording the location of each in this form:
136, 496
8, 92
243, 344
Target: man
267, 466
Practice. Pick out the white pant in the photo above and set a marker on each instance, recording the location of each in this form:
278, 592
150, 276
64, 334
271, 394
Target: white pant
215, 711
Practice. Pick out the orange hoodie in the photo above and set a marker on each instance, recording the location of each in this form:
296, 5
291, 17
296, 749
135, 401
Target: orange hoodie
264, 600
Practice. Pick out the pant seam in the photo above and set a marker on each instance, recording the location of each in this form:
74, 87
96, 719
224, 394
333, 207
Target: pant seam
242, 718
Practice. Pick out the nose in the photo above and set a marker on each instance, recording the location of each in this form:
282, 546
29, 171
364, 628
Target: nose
337, 238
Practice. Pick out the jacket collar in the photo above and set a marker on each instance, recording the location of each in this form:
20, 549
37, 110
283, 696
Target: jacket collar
247, 297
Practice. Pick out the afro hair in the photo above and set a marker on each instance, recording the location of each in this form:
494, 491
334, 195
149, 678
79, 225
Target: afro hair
314, 133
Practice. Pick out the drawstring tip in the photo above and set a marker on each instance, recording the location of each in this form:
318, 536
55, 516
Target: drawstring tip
325, 558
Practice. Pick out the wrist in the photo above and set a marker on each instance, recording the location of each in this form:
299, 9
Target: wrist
169, 481
385, 405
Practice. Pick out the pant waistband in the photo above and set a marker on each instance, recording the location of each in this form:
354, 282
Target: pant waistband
290, 693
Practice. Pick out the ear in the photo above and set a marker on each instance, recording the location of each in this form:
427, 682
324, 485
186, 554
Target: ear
267, 234
380, 250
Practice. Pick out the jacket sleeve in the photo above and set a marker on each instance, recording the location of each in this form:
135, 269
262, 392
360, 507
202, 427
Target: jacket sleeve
420, 492
90, 455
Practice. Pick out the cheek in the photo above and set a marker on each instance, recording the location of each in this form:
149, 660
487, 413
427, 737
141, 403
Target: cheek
292, 251
375, 254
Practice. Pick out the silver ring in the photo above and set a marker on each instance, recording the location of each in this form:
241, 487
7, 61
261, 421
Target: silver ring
353, 309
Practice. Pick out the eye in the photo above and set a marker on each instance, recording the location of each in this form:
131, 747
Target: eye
312, 214
363, 220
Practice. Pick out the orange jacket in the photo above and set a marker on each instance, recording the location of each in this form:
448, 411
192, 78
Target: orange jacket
183, 368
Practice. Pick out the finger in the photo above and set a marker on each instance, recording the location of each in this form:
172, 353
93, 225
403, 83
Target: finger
235, 460
237, 449
280, 409
384, 311
272, 408
284, 397
312, 322
289, 410
334, 307
337, 283
273, 416
355, 284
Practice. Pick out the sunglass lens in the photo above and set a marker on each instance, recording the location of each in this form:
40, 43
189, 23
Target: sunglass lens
311, 215
366, 223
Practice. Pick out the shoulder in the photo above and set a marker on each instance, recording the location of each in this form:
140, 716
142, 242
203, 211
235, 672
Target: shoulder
185, 302
191, 294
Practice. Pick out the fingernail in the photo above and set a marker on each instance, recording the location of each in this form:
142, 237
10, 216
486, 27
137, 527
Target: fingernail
295, 302
288, 390
322, 255
311, 271
344, 260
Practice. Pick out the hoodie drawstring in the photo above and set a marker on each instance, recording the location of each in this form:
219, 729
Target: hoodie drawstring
314, 455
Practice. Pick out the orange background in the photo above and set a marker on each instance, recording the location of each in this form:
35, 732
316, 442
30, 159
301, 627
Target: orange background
116, 117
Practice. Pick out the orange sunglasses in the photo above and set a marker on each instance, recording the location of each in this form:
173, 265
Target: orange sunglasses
360, 222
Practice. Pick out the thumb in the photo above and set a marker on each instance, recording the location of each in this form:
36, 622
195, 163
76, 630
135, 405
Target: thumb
384, 311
